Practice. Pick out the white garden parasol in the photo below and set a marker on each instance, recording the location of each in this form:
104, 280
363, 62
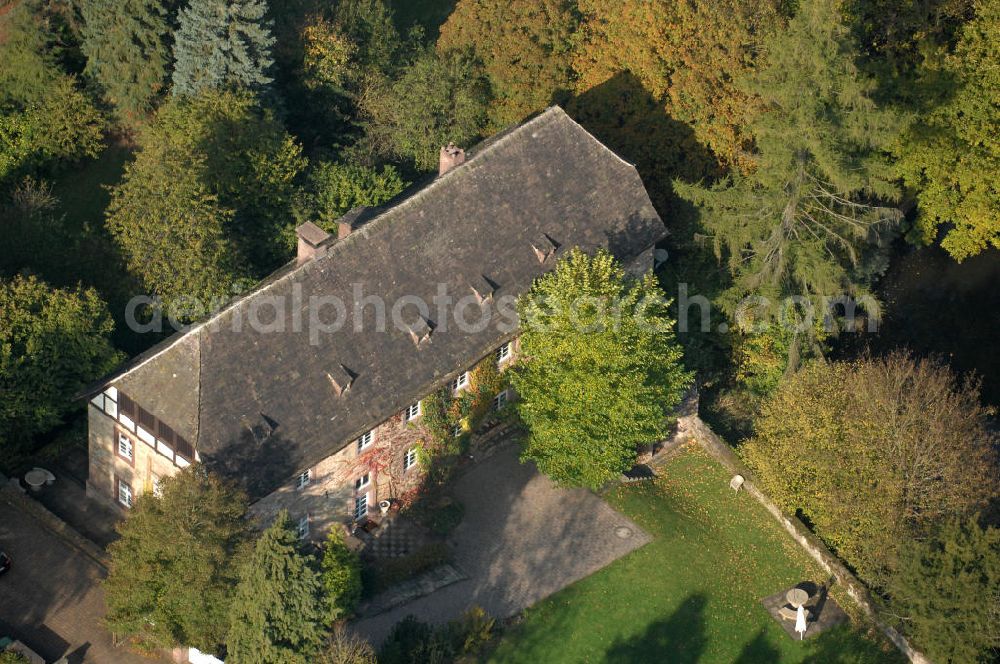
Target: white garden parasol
800, 622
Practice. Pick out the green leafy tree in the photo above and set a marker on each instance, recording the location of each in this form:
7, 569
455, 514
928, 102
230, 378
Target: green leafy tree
946, 592
207, 201
52, 343
127, 45
33, 226
526, 47
171, 576
278, 614
874, 453
172, 231
439, 99
335, 189
341, 576
951, 154
602, 372
222, 44
29, 54
11, 657
805, 220
370, 26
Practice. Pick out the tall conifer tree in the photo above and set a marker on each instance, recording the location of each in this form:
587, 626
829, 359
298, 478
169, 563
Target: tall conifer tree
127, 45
279, 612
223, 43
807, 218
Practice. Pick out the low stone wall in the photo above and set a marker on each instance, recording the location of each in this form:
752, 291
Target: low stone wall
697, 430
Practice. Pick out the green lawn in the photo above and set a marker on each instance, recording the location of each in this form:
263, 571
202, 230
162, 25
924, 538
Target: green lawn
691, 595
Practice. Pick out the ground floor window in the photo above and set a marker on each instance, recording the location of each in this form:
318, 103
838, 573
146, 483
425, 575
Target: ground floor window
157, 486
500, 400
361, 507
303, 526
124, 493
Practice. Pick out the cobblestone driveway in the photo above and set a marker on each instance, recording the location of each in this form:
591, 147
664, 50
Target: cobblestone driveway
51, 598
522, 539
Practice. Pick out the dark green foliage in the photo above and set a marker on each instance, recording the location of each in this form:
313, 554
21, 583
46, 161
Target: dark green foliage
34, 228
222, 44
207, 202
602, 373
127, 45
335, 189
807, 218
11, 657
412, 641
341, 576
28, 55
52, 343
439, 99
369, 25
946, 590
171, 577
278, 613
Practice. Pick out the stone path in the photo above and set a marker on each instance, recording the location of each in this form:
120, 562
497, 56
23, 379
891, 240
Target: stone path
521, 540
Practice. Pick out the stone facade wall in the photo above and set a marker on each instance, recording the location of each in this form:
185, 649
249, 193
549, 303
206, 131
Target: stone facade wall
107, 467
327, 499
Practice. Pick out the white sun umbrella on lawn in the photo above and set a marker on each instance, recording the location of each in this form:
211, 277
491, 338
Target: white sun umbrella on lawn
800, 622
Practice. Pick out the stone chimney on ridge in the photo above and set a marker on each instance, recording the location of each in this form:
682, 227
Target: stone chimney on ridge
451, 156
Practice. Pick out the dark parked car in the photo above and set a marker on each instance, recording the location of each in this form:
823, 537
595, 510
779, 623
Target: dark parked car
5, 562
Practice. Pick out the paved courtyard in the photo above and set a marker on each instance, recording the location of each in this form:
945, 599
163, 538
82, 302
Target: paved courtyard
51, 598
521, 540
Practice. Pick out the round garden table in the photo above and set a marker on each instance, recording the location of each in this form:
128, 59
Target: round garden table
35, 478
797, 597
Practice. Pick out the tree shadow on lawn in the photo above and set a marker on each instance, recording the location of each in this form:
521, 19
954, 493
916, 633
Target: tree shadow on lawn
680, 639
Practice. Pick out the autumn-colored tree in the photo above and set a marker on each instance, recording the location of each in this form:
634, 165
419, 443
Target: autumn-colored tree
874, 453
526, 47
951, 154
687, 56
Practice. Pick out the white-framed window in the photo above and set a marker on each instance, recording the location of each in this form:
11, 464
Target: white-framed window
125, 447
361, 507
503, 353
457, 430
303, 479
500, 400
362, 481
303, 526
461, 382
157, 486
366, 439
412, 412
125, 493
410, 460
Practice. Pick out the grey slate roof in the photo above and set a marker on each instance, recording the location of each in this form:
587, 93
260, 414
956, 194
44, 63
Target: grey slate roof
225, 390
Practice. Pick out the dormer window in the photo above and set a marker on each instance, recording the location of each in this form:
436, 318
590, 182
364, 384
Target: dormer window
483, 289
366, 439
461, 382
544, 247
420, 331
412, 412
341, 379
303, 480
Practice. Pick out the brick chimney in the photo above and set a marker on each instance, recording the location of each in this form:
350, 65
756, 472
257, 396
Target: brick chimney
451, 156
311, 237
